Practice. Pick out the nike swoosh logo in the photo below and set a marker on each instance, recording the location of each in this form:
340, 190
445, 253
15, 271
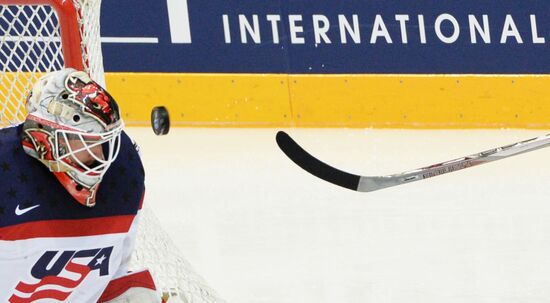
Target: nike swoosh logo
19, 211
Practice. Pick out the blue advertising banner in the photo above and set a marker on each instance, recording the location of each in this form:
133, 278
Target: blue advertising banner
327, 37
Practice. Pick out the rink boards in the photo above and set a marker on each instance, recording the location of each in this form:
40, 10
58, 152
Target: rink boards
360, 63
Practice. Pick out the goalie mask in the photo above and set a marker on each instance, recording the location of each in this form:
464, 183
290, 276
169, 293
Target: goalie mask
73, 127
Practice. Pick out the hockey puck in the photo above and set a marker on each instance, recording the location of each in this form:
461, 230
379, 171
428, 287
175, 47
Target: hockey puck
160, 120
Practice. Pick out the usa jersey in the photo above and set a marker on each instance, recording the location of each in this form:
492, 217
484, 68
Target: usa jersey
52, 248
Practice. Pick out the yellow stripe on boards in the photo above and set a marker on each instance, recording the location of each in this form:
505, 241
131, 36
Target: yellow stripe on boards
421, 101
379, 101
203, 99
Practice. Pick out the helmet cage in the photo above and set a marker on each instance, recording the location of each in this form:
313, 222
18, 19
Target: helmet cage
69, 145
73, 127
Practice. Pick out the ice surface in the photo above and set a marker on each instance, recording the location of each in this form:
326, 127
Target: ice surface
259, 229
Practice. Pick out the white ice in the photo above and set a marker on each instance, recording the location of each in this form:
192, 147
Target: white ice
261, 230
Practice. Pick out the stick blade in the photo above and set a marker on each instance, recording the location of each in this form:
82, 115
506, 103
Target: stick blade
313, 165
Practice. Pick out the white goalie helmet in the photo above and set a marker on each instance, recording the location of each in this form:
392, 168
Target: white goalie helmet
73, 127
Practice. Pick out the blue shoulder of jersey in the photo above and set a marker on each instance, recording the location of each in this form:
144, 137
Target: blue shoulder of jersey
29, 192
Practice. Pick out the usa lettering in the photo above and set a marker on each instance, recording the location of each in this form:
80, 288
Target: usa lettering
53, 262
56, 274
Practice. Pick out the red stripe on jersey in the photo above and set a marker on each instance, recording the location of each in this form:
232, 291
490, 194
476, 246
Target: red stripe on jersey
67, 228
43, 294
49, 281
79, 269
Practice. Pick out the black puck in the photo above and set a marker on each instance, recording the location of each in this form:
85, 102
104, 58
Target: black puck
160, 120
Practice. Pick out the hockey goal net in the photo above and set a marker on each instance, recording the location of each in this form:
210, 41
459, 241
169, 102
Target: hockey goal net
38, 36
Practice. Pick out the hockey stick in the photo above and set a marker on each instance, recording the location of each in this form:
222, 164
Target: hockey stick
371, 183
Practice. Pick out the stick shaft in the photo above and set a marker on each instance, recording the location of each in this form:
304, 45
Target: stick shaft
367, 183
371, 183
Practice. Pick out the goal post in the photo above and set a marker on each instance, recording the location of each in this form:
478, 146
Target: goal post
39, 36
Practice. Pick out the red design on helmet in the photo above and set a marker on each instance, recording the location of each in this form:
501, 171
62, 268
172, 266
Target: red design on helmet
40, 140
98, 102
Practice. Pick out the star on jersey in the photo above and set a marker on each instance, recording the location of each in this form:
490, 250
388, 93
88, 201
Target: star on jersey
100, 260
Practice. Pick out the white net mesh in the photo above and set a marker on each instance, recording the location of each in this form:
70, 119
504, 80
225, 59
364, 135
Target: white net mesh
29, 43
32, 42
156, 251
88, 20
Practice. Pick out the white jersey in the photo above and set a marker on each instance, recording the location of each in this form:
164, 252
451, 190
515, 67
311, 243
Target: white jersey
52, 249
